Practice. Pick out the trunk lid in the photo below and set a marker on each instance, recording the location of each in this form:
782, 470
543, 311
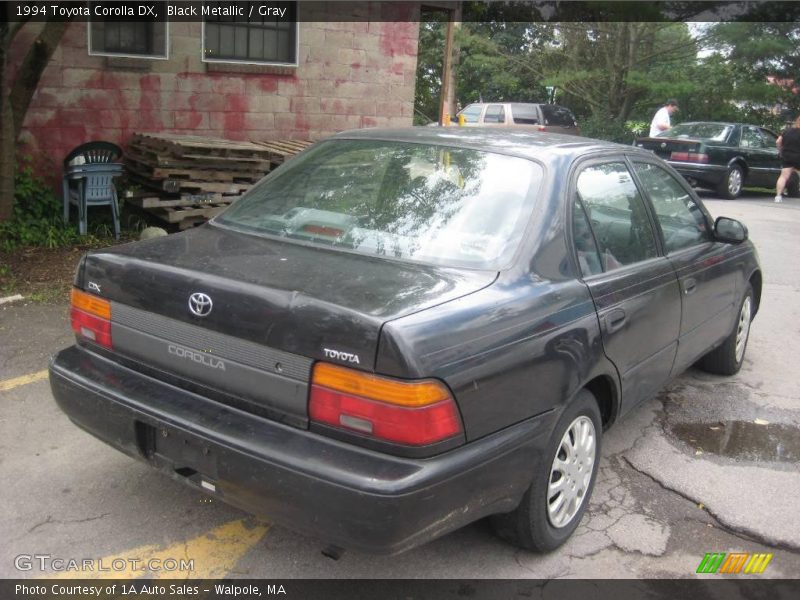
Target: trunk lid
664, 147
277, 306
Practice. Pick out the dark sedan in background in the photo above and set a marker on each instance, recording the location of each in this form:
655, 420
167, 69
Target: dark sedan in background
721, 156
400, 332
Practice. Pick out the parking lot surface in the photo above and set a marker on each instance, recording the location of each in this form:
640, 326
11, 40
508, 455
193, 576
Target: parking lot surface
709, 465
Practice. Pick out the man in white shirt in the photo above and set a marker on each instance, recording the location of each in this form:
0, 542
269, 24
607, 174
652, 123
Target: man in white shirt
661, 121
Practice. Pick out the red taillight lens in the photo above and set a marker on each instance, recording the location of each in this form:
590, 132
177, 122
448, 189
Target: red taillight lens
91, 317
689, 157
414, 413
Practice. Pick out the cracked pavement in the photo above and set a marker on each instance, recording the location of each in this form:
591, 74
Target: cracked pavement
660, 503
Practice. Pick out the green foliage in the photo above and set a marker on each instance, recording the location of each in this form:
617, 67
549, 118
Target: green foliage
429, 68
612, 130
37, 214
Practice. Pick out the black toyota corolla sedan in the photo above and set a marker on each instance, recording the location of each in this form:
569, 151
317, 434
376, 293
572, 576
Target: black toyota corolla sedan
400, 332
721, 156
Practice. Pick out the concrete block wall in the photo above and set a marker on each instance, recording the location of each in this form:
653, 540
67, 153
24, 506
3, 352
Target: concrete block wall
350, 75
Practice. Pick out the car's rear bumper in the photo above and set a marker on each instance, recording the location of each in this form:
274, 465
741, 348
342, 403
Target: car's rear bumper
340, 493
709, 174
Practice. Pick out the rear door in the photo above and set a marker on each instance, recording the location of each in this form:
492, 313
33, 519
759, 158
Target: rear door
634, 288
706, 269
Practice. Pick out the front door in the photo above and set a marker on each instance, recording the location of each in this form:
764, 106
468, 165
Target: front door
706, 269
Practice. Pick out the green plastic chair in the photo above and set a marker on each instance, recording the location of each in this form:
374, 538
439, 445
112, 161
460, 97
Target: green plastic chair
89, 172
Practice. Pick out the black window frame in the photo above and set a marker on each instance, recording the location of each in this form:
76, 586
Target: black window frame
245, 27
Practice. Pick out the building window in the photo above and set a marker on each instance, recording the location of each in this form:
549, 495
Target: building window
115, 36
253, 38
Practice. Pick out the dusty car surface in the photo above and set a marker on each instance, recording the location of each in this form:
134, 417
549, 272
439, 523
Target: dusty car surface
722, 156
400, 332
525, 115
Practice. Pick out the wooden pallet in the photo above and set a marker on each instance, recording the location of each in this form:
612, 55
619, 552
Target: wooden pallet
189, 178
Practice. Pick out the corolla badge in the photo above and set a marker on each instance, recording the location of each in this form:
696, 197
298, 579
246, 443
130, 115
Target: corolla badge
200, 304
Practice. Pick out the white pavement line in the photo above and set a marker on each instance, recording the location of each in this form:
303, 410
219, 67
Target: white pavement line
13, 298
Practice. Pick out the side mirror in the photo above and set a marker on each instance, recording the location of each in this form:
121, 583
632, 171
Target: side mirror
729, 230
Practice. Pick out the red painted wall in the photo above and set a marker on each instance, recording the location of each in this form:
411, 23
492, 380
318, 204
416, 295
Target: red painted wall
350, 75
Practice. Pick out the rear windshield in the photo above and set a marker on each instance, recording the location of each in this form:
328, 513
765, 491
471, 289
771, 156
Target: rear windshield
425, 203
709, 131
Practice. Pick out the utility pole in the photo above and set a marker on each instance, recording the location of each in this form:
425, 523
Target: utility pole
447, 103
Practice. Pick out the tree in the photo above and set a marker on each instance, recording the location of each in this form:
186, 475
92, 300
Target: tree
16, 96
762, 62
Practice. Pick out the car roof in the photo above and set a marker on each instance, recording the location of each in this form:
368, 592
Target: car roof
543, 146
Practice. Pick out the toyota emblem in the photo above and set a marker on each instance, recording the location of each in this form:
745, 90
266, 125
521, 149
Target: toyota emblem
200, 304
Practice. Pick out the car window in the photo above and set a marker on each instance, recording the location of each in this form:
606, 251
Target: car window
583, 239
557, 115
411, 201
495, 113
770, 139
617, 213
751, 138
682, 221
718, 132
472, 113
525, 114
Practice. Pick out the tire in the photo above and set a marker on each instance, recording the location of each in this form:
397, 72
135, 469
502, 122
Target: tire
541, 523
731, 186
727, 359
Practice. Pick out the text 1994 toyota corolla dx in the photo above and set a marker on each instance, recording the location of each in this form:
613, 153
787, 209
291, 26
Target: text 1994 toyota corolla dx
403, 331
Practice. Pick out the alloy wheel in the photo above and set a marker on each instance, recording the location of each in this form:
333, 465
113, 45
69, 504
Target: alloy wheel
571, 472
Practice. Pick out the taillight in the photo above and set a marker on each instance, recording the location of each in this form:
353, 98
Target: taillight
415, 413
91, 317
689, 157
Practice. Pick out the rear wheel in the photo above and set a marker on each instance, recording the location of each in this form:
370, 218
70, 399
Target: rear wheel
554, 504
727, 359
731, 185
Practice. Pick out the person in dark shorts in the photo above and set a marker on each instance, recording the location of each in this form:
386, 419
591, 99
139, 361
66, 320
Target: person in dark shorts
789, 148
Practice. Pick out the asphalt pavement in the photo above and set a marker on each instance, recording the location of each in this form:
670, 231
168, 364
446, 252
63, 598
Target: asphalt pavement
709, 465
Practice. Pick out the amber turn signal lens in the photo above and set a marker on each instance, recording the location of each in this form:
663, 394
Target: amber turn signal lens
401, 393
90, 304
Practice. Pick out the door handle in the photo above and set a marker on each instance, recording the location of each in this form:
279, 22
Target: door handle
689, 285
615, 320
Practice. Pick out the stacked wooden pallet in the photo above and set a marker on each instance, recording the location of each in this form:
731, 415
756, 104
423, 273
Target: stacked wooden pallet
187, 179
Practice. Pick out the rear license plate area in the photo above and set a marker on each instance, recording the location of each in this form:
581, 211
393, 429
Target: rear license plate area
188, 456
